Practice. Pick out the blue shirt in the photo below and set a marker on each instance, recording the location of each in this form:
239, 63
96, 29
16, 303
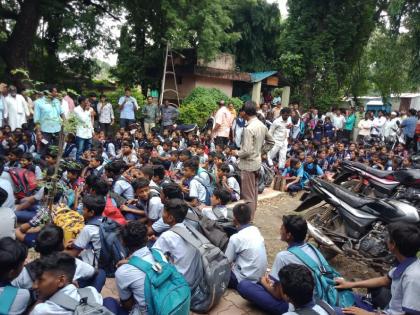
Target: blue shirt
47, 113
409, 126
129, 108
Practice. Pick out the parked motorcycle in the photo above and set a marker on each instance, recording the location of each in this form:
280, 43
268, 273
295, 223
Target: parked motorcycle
401, 184
352, 224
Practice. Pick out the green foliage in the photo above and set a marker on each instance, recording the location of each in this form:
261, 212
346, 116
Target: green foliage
259, 25
201, 104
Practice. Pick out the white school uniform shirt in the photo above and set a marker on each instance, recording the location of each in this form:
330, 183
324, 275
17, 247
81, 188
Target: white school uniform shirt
153, 208
83, 271
50, 308
21, 302
405, 288
233, 184
130, 281
197, 190
182, 255
89, 241
246, 250
208, 212
315, 308
84, 127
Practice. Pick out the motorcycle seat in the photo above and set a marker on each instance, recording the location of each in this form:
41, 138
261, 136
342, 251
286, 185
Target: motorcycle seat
349, 197
409, 177
371, 170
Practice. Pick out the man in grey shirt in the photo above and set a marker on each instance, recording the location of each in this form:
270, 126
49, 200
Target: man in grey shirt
150, 113
256, 141
169, 115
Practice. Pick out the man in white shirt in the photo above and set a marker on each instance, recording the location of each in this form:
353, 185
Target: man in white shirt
378, 125
84, 130
3, 94
280, 130
223, 121
338, 121
15, 109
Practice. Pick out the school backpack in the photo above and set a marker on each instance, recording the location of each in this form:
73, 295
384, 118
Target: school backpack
24, 181
86, 304
112, 249
165, 289
7, 297
69, 220
308, 310
112, 212
215, 267
208, 187
324, 276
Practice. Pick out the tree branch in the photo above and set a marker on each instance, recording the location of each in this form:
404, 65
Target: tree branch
101, 8
8, 14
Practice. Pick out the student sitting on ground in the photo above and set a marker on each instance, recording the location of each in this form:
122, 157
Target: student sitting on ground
182, 255
218, 209
229, 182
246, 249
404, 279
296, 286
49, 241
54, 280
12, 257
88, 242
293, 232
129, 279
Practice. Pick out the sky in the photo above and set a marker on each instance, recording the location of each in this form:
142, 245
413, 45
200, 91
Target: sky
115, 29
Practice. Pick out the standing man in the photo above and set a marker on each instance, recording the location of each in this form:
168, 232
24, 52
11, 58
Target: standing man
409, 127
280, 130
256, 141
128, 106
349, 124
222, 123
3, 94
169, 115
358, 117
84, 129
338, 121
15, 109
106, 115
48, 114
150, 113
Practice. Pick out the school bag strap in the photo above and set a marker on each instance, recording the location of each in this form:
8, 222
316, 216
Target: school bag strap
307, 260
7, 297
191, 236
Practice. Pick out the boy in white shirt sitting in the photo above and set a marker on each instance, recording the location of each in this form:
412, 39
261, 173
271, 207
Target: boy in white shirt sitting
54, 283
218, 209
246, 249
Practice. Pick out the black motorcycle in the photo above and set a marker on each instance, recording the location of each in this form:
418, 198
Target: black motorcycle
352, 224
401, 184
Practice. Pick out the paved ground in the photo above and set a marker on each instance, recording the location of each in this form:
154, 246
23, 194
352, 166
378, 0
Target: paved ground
272, 206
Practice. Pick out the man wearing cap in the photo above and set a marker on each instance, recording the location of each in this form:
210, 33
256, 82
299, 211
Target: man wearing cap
48, 113
15, 109
3, 94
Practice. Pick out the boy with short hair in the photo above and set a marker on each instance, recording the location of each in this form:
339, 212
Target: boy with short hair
246, 249
229, 182
12, 257
195, 187
129, 279
296, 286
182, 255
404, 279
88, 242
26, 162
54, 281
218, 209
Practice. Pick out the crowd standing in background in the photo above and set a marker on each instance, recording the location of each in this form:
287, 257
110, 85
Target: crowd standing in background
159, 183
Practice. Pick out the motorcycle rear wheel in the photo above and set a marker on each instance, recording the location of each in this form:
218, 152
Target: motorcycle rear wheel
321, 215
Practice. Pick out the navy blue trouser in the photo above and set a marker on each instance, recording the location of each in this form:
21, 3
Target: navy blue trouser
97, 281
258, 295
114, 306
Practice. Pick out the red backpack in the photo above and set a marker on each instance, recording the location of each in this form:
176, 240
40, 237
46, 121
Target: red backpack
113, 212
24, 181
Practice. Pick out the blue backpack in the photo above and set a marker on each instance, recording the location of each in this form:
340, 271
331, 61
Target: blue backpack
7, 297
165, 289
324, 276
112, 250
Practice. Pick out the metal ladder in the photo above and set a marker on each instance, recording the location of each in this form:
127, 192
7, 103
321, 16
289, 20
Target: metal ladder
169, 56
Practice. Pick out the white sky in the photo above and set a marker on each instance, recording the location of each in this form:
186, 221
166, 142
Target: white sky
116, 26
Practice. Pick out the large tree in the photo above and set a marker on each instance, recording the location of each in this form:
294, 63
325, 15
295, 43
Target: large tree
321, 43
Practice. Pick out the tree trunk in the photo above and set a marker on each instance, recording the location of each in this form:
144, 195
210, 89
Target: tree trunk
16, 50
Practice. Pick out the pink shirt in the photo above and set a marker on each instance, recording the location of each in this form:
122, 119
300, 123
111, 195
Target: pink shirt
223, 117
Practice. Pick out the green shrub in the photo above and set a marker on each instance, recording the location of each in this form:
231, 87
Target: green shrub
201, 103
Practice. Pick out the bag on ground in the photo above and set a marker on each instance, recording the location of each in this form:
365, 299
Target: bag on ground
69, 220
165, 289
24, 181
216, 271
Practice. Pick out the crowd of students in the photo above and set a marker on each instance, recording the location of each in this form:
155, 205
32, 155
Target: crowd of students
153, 183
